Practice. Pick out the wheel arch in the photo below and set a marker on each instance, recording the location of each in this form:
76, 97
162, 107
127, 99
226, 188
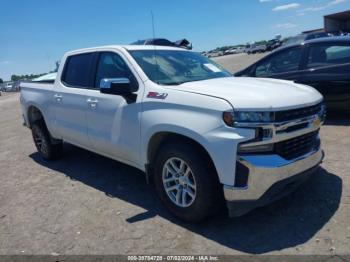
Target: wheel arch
34, 114
160, 138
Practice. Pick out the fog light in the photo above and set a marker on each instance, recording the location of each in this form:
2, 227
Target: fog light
242, 174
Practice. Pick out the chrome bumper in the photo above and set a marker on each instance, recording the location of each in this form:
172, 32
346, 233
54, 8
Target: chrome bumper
267, 170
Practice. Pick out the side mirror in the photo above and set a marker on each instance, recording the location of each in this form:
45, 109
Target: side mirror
115, 86
118, 86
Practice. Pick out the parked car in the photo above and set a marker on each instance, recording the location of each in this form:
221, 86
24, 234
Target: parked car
200, 134
240, 49
323, 63
7, 87
254, 48
215, 54
233, 51
230, 51
298, 39
273, 44
16, 86
10, 86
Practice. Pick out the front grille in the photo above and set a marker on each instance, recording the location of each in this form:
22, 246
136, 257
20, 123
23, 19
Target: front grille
286, 115
298, 146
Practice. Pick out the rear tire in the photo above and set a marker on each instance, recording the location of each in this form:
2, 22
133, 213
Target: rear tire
205, 196
48, 147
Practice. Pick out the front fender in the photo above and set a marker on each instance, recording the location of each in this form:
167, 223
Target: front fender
220, 143
198, 117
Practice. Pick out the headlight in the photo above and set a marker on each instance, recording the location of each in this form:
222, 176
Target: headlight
247, 117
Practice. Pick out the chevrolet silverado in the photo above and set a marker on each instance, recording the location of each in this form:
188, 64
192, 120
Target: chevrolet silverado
202, 136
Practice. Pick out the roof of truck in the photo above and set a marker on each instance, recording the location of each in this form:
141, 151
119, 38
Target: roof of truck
126, 47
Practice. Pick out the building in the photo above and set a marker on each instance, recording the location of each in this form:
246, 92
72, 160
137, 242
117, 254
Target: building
319, 30
334, 23
339, 22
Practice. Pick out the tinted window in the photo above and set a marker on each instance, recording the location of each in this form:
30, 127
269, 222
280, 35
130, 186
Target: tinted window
111, 65
282, 62
77, 70
328, 54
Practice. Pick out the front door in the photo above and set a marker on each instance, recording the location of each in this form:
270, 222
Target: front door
284, 64
327, 69
113, 124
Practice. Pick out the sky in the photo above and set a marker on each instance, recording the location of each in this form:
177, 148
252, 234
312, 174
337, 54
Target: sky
36, 33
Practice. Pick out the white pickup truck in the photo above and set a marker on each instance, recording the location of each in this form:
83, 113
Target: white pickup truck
199, 134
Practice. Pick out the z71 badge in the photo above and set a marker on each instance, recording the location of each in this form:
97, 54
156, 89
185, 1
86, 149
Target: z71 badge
157, 95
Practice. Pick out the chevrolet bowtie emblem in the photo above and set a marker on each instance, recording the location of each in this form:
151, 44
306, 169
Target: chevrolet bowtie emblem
316, 122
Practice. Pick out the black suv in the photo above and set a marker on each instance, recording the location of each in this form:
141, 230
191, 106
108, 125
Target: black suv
322, 63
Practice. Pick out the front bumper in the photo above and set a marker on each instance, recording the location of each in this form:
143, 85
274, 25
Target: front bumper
270, 178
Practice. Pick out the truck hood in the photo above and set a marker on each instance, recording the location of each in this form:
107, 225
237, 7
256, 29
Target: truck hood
255, 93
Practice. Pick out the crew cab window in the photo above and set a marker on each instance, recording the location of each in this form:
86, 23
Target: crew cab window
328, 54
282, 62
111, 65
77, 70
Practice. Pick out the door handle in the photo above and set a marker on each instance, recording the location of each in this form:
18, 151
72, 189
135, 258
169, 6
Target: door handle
92, 102
58, 97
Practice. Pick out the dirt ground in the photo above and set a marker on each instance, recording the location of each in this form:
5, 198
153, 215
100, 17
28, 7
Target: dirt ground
88, 204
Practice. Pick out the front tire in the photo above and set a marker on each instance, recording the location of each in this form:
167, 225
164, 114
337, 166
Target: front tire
48, 147
186, 182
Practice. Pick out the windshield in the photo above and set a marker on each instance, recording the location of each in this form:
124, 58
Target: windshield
173, 67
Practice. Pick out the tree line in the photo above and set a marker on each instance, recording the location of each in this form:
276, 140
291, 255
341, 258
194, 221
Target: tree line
25, 77
15, 77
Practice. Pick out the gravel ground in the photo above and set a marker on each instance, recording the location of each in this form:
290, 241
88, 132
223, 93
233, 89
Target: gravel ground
234, 63
88, 204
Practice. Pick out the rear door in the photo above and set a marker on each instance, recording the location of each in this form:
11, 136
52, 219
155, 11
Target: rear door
284, 64
327, 68
70, 102
113, 124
